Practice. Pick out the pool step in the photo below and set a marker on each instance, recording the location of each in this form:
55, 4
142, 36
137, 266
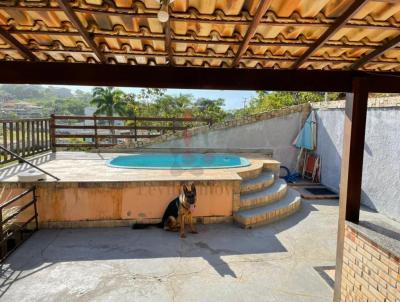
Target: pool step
252, 171
264, 180
289, 204
265, 196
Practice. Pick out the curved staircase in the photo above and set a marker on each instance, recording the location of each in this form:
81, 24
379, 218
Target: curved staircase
265, 198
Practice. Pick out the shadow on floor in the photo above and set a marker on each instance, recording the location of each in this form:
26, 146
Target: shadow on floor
13, 170
326, 273
213, 242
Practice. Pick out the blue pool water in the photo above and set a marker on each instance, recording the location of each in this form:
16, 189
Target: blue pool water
178, 161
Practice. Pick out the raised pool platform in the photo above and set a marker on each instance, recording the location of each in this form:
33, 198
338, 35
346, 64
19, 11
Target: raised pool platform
92, 167
91, 194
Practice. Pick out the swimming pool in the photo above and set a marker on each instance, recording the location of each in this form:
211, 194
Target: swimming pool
178, 161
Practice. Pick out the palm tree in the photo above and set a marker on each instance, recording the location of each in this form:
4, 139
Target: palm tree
109, 101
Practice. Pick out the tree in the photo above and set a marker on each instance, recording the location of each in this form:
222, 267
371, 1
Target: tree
109, 101
150, 95
131, 106
170, 105
265, 101
207, 108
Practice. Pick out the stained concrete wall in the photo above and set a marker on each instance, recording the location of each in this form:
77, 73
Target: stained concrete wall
276, 134
67, 203
381, 174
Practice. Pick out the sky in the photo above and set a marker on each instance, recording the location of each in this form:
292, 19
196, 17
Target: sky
234, 99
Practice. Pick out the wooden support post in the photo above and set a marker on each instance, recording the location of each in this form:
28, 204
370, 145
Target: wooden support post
351, 171
53, 133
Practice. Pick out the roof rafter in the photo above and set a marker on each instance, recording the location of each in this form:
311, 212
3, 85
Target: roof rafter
79, 26
339, 23
377, 52
261, 10
168, 47
14, 43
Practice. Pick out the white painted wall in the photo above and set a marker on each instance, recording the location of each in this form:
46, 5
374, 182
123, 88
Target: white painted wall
276, 134
381, 174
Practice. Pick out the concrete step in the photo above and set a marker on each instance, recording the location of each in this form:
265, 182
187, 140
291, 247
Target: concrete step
271, 212
252, 171
265, 196
264, 180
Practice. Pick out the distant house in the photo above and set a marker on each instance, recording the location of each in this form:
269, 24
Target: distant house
21, 109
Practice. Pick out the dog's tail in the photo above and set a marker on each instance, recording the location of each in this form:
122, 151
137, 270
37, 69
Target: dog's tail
140, 226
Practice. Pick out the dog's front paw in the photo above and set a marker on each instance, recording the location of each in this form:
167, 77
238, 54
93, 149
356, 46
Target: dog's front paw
183, 236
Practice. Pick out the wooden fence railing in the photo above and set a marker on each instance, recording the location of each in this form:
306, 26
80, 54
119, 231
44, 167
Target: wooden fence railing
103, 131
24, 137
28, 137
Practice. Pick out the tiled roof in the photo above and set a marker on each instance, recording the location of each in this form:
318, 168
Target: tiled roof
323, 34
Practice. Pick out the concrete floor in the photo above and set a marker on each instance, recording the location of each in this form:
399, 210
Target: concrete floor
283, 261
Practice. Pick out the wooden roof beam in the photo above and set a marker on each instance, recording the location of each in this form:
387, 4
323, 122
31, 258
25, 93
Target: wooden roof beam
339, 23
23, 72
168, 47
377, 52
261, 10
14, 43
81, 29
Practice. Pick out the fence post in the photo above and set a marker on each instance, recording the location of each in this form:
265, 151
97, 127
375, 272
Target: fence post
96, 142
53, 133
135, 126
5, 155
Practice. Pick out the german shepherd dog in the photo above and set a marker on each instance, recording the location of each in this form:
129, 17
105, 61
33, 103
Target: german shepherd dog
179, 211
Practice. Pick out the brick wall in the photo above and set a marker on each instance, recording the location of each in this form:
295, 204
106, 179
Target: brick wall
370, 273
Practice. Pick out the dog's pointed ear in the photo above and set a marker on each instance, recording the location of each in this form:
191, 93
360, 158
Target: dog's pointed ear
193, 189
185, 189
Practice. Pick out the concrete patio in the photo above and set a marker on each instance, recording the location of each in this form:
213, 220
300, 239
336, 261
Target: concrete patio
285, 261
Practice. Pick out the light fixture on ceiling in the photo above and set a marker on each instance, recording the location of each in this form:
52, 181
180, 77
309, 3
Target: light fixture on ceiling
163, 13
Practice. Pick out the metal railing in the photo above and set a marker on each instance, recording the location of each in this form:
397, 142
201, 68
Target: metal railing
21, 159
13, 232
